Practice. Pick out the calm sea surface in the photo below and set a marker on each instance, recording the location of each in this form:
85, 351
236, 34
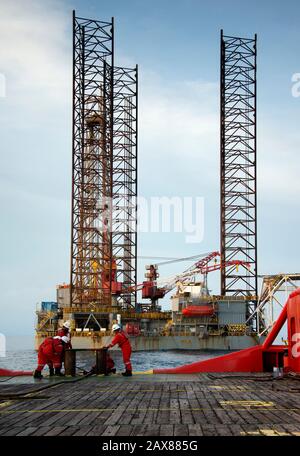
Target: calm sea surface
20, 355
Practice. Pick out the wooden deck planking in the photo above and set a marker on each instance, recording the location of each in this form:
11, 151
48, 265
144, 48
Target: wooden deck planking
104, 406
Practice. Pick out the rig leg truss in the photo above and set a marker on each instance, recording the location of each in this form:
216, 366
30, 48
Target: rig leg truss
124, 238
103, 243
238, 166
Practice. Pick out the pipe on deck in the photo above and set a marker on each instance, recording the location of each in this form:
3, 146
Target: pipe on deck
12, 373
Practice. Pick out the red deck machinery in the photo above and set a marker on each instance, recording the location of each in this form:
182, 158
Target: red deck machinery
262, 358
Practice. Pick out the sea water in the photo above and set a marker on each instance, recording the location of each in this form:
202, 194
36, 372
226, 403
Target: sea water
20, 355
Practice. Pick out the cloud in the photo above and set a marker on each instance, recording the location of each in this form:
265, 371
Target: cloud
35, 50
179, 118
179, 125
35, 115
278, 165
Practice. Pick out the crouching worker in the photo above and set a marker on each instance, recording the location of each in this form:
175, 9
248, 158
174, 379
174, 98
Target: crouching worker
121, 338
110, 367
51, 353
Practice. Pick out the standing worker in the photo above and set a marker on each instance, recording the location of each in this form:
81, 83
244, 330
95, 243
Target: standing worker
121, 338
65, 331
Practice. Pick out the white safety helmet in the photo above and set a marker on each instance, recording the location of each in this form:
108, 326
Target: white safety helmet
65, 339
115, 327
67, 324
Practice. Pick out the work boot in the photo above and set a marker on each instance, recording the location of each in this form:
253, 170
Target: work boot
127, 373
51, 371
37, 374
58, 373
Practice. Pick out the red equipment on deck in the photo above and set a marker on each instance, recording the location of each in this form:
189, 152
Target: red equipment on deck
133, 329
261, 358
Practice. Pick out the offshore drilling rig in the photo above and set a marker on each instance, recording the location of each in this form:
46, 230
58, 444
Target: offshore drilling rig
103, 281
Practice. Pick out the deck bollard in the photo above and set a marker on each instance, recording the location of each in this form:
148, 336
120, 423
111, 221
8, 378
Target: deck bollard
101, 361
70, 362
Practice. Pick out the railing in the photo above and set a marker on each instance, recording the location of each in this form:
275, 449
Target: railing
92, 309
124, 314
162, 333
46, 333
91, 333
237, 329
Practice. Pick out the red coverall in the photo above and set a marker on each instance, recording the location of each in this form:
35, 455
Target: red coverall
50, 352
122, 340
109, 363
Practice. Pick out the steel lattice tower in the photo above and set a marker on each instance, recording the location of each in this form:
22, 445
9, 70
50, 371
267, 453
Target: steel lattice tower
238, 165
124, 242
98, 168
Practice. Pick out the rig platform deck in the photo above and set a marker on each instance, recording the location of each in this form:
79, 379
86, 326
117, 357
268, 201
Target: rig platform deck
144, 405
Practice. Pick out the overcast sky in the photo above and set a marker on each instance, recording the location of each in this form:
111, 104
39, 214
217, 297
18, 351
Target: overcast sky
176, 44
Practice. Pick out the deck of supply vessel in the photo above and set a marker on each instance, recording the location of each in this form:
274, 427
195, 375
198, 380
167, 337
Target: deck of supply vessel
153, 405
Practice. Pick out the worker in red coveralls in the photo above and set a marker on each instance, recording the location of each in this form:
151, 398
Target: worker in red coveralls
50, 352
65, 331
121, 338
110, 366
